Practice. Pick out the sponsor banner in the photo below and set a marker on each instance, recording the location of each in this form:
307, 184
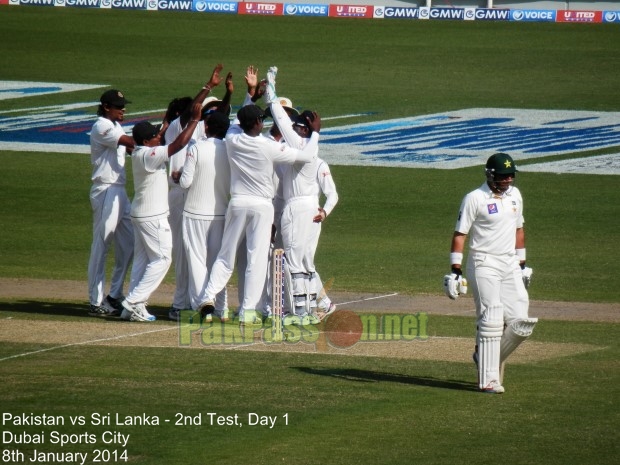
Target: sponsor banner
295, 9
172, 5
467, 137
82, 3
533, 15
203, 6
61, 3
351, 11
399, 12
32, 2
470, 14
567, 16
492, 14
4, 2
611, 16
125, 4
252, 8
442, 13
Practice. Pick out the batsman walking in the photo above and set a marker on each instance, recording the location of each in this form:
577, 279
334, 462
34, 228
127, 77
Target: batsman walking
492, 216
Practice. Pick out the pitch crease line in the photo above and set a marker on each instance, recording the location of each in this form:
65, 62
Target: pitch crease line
88, 342
366, 299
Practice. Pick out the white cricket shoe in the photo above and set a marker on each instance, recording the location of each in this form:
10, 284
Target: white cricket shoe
493, 388
136, 312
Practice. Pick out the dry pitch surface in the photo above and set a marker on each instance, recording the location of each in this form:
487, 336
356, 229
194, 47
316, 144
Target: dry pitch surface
54, 335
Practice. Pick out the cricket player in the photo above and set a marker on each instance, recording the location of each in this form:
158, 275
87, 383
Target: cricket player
298, 183
492, 216
206, 176
110, 205
177, 194
149, 213
324, 185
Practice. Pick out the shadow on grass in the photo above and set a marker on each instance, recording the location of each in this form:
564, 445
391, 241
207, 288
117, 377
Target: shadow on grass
366, 376
33, 307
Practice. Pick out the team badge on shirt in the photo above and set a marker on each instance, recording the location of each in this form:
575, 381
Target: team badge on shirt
492, 207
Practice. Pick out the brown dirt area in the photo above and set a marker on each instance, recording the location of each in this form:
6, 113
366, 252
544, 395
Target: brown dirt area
111, 332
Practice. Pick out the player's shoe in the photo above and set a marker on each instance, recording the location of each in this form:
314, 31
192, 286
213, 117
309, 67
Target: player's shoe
205, 308
494, 387
136, 312
174, 314
97, 310
310, 320
113, 306
223, 315
324, 312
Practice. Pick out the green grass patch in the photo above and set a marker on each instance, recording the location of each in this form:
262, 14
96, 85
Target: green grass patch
390, 232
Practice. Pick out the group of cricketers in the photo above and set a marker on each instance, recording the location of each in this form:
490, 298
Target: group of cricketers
207, 195
216, 196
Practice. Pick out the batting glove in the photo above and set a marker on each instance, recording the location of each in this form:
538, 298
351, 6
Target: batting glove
454, 285
526, 274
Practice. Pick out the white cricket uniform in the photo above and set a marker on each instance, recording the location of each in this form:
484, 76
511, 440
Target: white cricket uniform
493, 270
110, 205
149, 214
176, 201
206, 175
250, 211
301, 204
324, 185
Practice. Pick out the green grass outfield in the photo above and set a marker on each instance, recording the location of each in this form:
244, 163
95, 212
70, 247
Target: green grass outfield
390, 232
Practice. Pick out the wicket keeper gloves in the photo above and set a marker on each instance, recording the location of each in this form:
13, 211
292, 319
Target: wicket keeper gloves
454, 285
270, 89
526, 274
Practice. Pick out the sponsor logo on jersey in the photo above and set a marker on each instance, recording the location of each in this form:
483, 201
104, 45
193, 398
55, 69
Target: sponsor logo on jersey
492, 207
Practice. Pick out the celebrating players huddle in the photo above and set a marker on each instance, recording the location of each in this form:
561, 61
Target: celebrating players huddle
209, 195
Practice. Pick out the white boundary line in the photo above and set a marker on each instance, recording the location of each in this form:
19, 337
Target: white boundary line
87, 342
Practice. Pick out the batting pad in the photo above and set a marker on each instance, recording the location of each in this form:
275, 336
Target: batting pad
516, 332
490, 329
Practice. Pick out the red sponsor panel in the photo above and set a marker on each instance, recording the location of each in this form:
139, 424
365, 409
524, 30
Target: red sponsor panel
568, 16
351, 11
4, 2
258, 8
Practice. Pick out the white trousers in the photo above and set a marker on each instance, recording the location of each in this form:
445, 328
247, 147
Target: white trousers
497, 280
250, 218
152, 258
299, 232
176, 201
202, 240
317, 283
111, 223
